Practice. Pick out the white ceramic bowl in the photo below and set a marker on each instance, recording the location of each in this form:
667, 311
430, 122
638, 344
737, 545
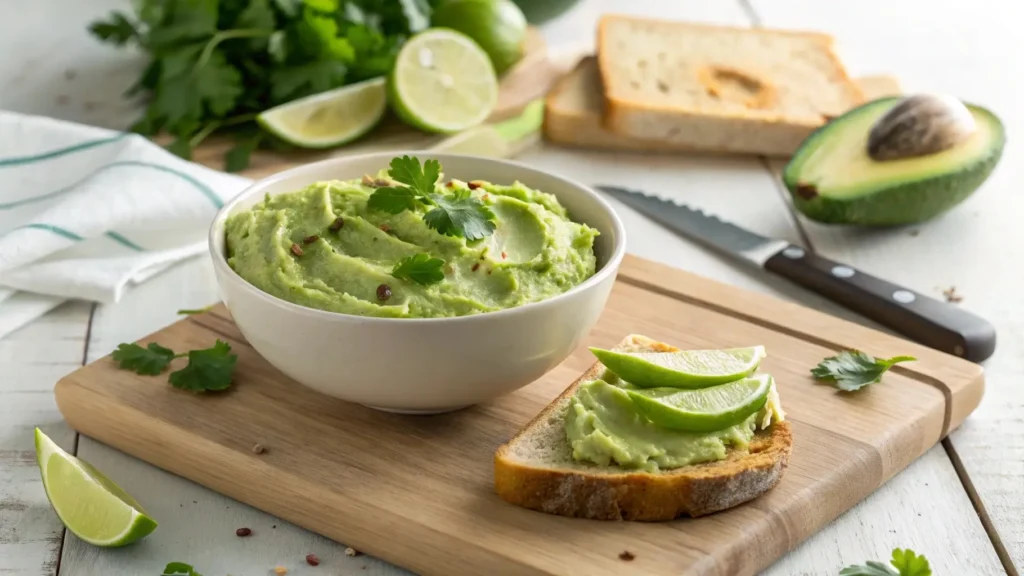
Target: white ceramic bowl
421, 365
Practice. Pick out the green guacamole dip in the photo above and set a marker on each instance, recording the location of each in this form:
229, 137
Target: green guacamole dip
603, 427
285, 246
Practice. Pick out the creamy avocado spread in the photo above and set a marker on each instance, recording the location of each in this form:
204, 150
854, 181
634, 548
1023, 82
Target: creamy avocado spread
604, 427
323, 247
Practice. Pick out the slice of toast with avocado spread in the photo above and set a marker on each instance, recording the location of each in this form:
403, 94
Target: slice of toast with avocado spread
536, 469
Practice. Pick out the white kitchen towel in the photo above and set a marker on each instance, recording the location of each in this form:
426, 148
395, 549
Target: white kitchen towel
87, 212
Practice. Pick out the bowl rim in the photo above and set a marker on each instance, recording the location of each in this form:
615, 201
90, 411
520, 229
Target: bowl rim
220, 262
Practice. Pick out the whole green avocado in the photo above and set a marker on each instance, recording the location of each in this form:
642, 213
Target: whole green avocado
832, 178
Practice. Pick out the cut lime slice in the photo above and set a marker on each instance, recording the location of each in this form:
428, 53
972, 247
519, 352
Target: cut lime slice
443, 82
330, 118
705, 409
87, 502
684, 369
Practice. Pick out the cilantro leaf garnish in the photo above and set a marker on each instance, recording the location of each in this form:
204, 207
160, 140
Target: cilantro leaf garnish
392, 199
149, 361
208, 369
853, 370
460, 214
421, 179
903, 563
419, 268
180, 568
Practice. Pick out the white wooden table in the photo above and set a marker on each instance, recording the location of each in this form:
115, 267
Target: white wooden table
961, 504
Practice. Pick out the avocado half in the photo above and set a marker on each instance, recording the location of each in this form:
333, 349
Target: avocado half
833, 180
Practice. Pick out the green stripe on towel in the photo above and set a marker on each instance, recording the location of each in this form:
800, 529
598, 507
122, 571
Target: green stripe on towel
21, 160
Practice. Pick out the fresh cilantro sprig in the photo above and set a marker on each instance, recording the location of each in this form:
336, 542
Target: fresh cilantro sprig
904, 563
180, 568
419, 268
456, 214
852, 370
210, 369
215, 64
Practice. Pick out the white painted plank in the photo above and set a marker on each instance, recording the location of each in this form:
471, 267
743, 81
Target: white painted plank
31, 361
970, 49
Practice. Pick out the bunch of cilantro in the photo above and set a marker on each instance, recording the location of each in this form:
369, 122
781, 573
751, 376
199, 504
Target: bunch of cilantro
215, 64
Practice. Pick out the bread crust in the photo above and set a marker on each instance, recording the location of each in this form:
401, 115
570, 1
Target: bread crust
601, 494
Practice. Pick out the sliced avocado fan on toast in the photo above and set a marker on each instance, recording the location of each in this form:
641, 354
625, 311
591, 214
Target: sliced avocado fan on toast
833, 178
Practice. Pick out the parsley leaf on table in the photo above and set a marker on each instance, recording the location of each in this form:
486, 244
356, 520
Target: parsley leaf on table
419, 268
118, 30
460, 214
208, 369
150, 361
179, 568
903, 563
853, 370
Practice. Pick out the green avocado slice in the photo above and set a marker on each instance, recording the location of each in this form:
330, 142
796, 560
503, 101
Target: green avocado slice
833, 180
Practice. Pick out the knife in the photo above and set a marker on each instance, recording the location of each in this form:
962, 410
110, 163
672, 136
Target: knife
931, 322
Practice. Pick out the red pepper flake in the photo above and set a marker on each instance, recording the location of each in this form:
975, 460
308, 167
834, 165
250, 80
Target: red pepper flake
806, 191
243, 532
337, 224
475, 267
450, 184
296, 249
626, 556
489, 271
384, 227
310, 239
473, 185
503, 255
312, 560
383, 292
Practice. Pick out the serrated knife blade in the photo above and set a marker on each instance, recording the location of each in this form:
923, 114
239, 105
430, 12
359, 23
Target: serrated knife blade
699, 226
939, 325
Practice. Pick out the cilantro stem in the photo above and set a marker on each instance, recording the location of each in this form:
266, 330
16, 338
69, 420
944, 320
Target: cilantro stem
216, 125
219, 37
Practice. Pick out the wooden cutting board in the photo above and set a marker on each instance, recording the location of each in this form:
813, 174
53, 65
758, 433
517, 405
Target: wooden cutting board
417, 490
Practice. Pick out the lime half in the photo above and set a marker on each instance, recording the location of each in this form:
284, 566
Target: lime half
704, 409
443, 82
330, 118
684, 369
498, 26
87, 502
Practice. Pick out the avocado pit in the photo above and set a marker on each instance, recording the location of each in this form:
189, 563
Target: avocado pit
920, 125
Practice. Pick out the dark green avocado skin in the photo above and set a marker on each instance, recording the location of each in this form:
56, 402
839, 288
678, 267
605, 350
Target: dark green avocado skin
901, 203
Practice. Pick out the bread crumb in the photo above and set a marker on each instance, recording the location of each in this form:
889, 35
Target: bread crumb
626, 556
951, 295
351, 552
280, 571
258, 449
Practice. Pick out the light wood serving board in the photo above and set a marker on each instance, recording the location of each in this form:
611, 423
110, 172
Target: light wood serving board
417, 490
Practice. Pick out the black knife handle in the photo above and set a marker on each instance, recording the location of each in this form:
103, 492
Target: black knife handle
933, 323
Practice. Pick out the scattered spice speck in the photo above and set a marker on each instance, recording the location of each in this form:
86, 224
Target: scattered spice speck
310, 239
951, 295
503, 255
258, 449
337, 224
486, 196
280, 571
475, 267
296, 249
626, 556
383, 292
382, 182
243, 532
274, 526
385, 228
367, 180
351, 552
450, 184
473, 185
312, 560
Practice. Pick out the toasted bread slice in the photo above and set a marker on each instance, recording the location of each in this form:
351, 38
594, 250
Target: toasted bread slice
535, 469
574, 107
719, 88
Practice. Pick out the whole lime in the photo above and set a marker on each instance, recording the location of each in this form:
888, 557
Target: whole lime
498, 26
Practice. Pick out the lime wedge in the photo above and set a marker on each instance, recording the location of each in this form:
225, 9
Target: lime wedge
704, 409
443, 82
500, 140
87, 502
684, 369
330, 118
